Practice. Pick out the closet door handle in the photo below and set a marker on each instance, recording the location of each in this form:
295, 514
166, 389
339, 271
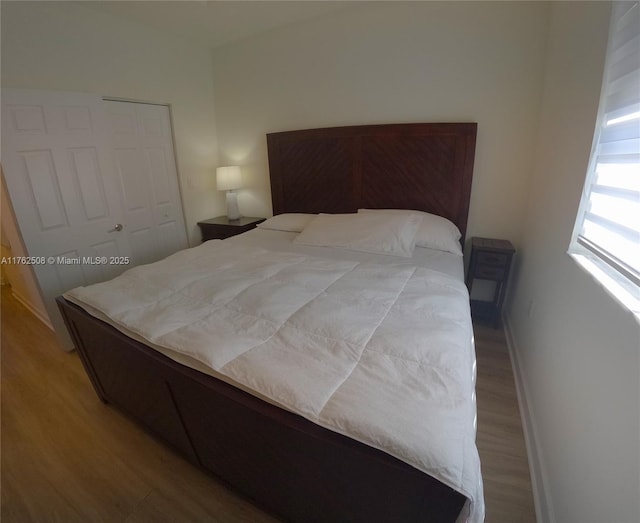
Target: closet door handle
117, 228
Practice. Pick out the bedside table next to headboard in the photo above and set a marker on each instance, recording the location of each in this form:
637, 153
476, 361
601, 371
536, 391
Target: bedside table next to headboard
222, 227
490, 260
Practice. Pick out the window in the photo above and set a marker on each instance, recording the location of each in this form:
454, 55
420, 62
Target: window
606, 238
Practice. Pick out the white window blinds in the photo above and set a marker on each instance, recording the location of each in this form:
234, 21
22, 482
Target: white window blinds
608, 222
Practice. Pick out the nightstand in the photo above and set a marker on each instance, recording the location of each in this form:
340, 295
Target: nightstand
490, 260
222, 227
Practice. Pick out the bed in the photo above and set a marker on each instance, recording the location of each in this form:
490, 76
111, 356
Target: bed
303, 465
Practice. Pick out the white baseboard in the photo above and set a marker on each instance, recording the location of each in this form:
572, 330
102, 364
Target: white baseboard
32, 309
539, 482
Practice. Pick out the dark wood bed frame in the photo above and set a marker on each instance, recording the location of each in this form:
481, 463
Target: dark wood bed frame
286, 464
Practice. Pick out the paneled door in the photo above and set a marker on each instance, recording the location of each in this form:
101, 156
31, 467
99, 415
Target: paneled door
142, 146
73, 191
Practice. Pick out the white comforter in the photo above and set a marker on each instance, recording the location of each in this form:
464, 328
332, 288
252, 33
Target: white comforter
383, 354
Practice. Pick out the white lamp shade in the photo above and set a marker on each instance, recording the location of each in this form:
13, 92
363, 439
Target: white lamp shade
228, 178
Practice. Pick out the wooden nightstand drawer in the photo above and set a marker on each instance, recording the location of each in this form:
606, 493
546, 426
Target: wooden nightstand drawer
490, 273
221, 228
213, 232
493, 258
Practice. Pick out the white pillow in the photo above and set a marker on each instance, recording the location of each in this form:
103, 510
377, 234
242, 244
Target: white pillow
375, 233
291, 222
435, 232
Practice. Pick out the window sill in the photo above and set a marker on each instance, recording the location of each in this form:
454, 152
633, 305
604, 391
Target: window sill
623, 291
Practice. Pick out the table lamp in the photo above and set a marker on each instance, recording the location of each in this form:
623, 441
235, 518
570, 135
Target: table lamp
228, 179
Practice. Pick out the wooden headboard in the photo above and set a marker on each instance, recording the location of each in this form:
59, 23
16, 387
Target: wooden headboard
423, 166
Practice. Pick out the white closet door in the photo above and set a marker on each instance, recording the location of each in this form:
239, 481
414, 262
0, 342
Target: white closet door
58, 171
142, 146
92, 184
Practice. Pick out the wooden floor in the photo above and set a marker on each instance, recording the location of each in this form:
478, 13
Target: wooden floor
67, 457
500, 441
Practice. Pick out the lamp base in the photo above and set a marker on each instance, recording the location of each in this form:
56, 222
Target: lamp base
233, 211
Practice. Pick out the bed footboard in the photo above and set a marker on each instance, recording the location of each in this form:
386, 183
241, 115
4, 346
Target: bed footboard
288, 465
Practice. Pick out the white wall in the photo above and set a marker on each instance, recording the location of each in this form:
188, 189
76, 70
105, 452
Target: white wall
578, 350
394, 62
66, 46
